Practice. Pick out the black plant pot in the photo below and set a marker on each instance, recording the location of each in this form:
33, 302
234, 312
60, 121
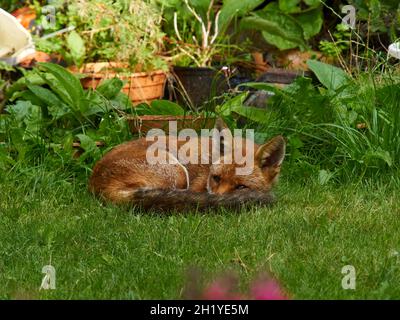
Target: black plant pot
198, 85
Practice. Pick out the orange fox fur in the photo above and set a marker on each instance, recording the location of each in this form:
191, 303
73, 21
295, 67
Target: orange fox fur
123, 176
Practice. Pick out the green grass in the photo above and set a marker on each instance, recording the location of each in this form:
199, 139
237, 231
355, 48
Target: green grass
106, 252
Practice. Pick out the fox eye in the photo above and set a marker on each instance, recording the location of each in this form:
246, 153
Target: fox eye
241, 187
216, 178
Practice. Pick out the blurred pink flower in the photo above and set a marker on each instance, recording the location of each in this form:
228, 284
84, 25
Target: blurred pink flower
267, 289
220, 290
226, 289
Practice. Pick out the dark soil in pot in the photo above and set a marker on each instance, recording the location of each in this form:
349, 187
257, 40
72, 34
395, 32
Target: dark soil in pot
198, 85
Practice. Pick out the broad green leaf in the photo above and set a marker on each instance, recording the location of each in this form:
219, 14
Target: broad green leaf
71, 83
122, 101
34, 121
313, 3
110, 88
20, 110
296, 6
55, 106
89, 145
229, 106
27, 113
234, 8
26, 95
17, 140
277, 28
236, 105
330, 76
165, 107
76, 46
289, 6
20, 84
311, 22
254, 114
378, 155
58, 89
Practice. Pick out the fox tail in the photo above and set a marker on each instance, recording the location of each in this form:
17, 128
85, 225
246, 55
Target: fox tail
162, 199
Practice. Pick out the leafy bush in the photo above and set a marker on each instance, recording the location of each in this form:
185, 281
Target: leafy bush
382, 16
48, 110
345, 129
341, 42
287, 24
125, 31
196, 30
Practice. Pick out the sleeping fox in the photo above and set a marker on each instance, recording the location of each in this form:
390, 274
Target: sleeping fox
126, 176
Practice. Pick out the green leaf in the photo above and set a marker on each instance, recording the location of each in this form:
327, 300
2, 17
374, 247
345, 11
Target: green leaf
87, 143
20, 84
5, 160
71, 83
277, 28
254, 114
236, 106
77, 48
90, 147
330, 76
58, 89
27, 116
110, 88
55, 106
229, 106
295, 142
311, 22
165, 107
289, 6
324, 176
313, 3
17, 140
20, 110
122, 101
378, 155
235, 8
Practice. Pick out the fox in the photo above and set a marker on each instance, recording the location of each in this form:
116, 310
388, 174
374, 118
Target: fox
124, 175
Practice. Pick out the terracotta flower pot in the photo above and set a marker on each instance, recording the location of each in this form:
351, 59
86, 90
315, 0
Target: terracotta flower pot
26, 16
139, 86
142, 124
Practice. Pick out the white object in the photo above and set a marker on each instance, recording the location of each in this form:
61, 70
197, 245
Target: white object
15, 41
394, 50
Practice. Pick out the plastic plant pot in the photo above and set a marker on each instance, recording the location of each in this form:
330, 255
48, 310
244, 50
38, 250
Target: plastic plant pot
394, 50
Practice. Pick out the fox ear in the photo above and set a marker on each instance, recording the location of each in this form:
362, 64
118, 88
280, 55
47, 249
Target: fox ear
271, 154
220, 124
221, 137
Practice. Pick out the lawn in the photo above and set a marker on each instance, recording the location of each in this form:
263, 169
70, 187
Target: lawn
106, 252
